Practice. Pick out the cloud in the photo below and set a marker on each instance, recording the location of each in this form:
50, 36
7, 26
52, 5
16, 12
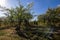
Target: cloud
58, 5
4, 3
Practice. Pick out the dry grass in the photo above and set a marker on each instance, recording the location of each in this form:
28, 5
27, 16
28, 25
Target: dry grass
8, 34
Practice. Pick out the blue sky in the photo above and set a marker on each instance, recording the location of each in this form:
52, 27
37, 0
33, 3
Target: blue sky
39, 7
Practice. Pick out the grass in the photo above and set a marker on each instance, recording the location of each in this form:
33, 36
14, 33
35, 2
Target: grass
7, 35
2, 33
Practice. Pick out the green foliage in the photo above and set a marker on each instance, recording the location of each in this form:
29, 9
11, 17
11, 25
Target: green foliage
51, 17
21, 17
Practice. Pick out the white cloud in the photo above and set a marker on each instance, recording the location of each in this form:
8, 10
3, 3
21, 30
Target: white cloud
58, 5
5, 3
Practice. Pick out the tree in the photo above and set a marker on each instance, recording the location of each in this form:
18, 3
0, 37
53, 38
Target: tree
51, 18
20, 15
42, 20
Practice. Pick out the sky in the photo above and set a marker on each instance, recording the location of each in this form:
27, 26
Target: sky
39, 7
